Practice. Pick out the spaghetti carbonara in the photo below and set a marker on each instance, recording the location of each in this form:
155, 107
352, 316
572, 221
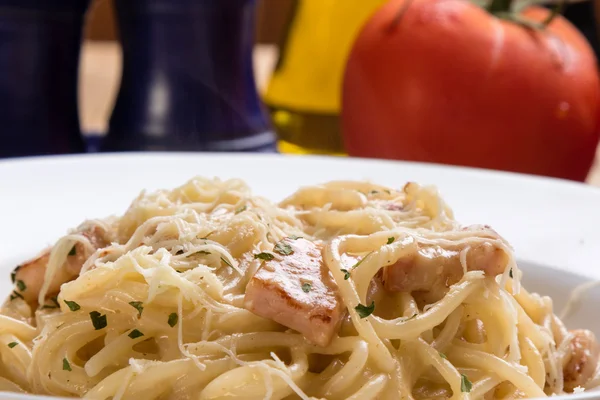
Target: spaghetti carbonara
346, 290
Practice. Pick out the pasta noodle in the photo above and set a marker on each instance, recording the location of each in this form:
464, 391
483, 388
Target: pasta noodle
156, 304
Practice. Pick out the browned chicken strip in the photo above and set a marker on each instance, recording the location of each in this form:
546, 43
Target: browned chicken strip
296, 290
583, 361
431, 268
29, 276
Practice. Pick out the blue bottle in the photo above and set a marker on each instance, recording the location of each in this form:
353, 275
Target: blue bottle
39, 58
187, 82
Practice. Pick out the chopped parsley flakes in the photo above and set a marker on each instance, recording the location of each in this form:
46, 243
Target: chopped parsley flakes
134, 334
465, 384
21, 285
306, 287
73, 306
66, 365
16, 294
264, 256
13, 274
138, 305
240, 209
391, 240
54, 304
98, 320
73, 251
226, 262
283, 248
206, 237
346, 274
361, 261
365, 311
12, 344
173, 318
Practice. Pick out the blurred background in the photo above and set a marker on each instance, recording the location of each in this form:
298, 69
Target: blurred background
101, 58
309, 60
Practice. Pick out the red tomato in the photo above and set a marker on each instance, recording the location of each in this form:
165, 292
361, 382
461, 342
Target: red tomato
448, 82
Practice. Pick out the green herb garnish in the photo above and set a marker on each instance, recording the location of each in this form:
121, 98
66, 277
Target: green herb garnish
391, 240
346, 274
203, 252
21, 285
361, 261
173, 318
264, 256
283, 248
73, 306
465, 384
66, 365
206, 237
306, 287
240, 209
138, 305
294, 237
373, 192
98, 320
12, 344
73, 251
54, 304
443, 356
16, 294
226, 262
134, 334
365, 311
510, 273
13, 274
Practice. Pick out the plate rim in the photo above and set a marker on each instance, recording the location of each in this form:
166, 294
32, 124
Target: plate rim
510, 177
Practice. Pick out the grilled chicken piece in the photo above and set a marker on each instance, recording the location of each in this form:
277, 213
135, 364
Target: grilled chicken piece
584, 359
29, 276
433, 268
297, 291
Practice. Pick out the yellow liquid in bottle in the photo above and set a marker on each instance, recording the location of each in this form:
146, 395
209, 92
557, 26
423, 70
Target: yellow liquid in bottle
304, 93
306, 133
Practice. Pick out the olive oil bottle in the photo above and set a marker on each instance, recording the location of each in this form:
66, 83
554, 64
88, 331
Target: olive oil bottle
304, 93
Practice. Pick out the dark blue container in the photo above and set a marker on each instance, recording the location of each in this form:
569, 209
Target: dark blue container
39, 58
188, 81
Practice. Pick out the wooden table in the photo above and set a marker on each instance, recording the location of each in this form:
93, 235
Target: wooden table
101, 71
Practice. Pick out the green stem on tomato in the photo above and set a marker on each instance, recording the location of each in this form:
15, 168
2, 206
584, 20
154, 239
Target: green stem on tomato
556, 10
517, 19
503, 9
500, 6
400, 13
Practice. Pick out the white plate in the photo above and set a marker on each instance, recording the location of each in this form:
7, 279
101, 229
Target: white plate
554, 225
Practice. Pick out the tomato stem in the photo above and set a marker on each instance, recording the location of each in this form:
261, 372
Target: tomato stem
500, 6
503, 9
517, 19
556, 10
400, 13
